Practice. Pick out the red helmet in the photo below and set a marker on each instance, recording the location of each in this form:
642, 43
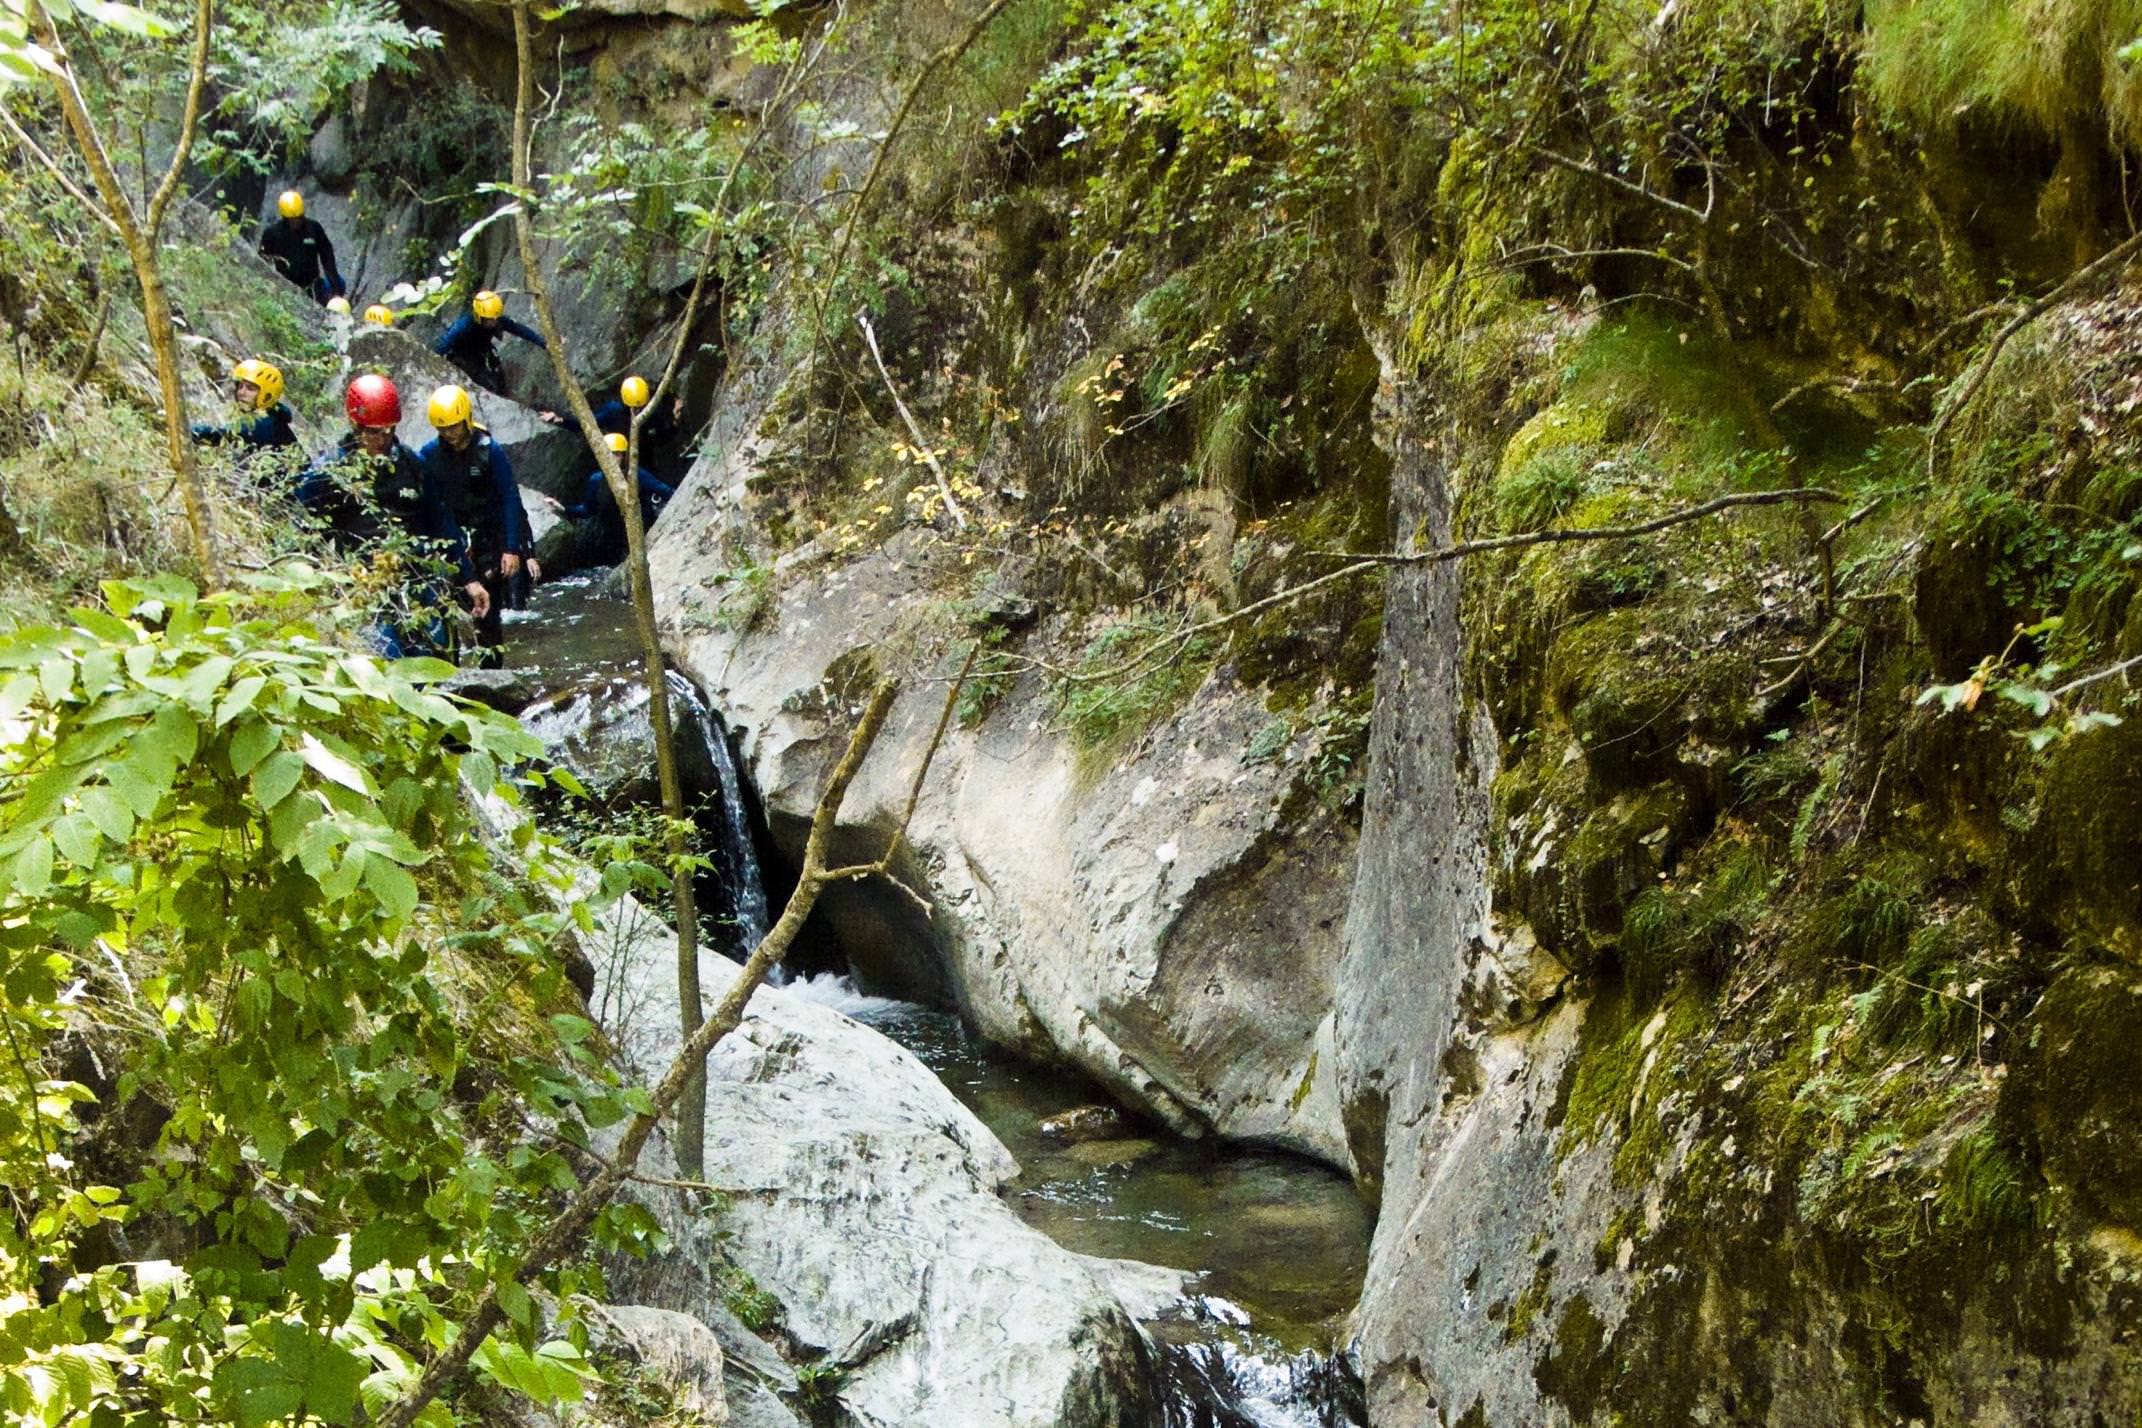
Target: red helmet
374, 402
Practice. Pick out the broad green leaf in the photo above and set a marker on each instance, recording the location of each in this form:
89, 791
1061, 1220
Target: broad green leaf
273, 780
111, 813
127, 19
241, 697
77, 838
251, 743
332, 766
57, 678
33, 868
392, 885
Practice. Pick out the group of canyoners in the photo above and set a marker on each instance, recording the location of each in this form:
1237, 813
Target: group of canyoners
455, 500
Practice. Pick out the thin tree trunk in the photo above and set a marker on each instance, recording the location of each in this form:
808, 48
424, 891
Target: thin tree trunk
624, 487
140, 232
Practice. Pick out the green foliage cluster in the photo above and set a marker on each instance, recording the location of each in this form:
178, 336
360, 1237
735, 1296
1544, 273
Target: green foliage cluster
278, 68
276, 1037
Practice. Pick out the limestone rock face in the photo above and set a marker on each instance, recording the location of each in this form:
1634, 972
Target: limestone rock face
1165, 922
1568, 1235
865, 1198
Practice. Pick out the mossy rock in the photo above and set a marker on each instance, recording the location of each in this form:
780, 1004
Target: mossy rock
2092, 819
2077, 1090
1633, 699
1960, 613
1576, 868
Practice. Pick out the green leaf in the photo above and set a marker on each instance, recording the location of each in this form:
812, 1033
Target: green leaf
332, 766
240, 698
251, 743
33, 868
273, 780
110, 812
392, 885
127, 19
78, 840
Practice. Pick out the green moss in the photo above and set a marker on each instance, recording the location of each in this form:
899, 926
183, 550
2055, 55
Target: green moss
1578, 1371
1528, 1307
1619, 1075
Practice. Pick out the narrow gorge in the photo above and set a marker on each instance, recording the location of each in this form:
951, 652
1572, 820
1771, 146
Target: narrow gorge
1517, 627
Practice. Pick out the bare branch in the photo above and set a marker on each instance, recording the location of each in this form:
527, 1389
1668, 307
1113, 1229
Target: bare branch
2111, 261
1616, 181
204, 19
73, 189
568, 1224
2108, 672
922, 443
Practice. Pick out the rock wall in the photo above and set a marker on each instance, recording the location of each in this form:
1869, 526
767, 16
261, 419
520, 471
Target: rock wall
863, 1198
1168, 923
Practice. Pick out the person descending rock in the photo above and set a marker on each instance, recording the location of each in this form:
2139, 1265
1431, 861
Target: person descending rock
658, 432
476, 479
265, 423
471, 343
366, 489
299, 249
597, 504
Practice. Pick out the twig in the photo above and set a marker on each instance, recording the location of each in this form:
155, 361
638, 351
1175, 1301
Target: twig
2089, 679
922, 443
2116, 258
88, 361
1360, 564
74, 191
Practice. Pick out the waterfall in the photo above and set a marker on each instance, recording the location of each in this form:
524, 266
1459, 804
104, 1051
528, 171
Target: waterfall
736, 855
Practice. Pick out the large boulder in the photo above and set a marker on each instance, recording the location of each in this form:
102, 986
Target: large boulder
1167, 920
864, 1198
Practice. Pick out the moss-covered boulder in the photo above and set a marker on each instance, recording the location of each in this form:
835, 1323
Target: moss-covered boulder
2092, 817
2077, 1089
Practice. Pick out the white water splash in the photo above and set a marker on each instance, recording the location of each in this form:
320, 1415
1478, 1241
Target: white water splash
831, 989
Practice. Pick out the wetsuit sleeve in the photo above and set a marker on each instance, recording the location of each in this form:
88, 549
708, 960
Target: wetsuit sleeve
456, 333
327, 258
317, 481
507, 492
526, 334
206, 435
590, 499
267, 248
655, 486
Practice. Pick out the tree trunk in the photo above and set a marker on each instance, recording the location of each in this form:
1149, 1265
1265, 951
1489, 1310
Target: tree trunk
624, 487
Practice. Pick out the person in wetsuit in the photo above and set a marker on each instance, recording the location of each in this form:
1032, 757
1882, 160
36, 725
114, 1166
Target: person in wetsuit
367, 487
476, 480
471, 343
299, 248
596, 503
265, 422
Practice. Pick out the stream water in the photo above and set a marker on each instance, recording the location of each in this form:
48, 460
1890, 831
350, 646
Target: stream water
1275, 1246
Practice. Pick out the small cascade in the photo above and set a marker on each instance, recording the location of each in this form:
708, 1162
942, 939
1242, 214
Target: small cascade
736, 856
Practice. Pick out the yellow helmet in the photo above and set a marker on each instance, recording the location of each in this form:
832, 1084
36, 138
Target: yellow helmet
634, 391
264, 375
617, 442
340, 304
487, 304
291, 204
379, 316
449, 406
